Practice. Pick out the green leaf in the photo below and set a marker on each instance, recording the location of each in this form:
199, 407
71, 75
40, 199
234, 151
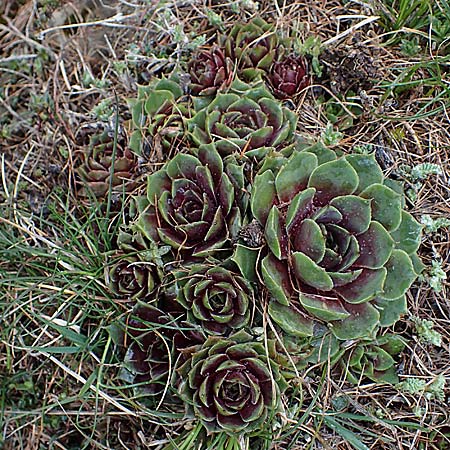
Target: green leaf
386, 205
356, 212
86, 386
392, 343
383, 360
273, 232
246, 259
310, 273
263, 196
135, 142
259, 137
323, 153
290, 320
57, 349
310, 240
182, 166
169, 85
365, 287
361, 323
67, 333
386, 376
400, 275
391, 310
210, 157
323, 308
156, 100
294, 175
343, 278
276, 278
333, 179
375, 247
408, 235
300, 205
157, 183
417, 263
368, 170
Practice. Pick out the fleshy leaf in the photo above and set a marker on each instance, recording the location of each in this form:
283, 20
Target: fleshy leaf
182, 166
343, 278
157, 183
323, 153
209, 156
367, 168
375, 247
365, 287
290, 320
293, 177
361, 323
300, 207
246, 259
263, 196
169, 85
333, 179
311, 241
276, 277
400, 275
356, 212
156, 100
323, 308
391, 310
273, 232
408, 235
310, 273
386, 205
417, 263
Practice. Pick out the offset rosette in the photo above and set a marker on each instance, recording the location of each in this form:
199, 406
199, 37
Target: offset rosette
154, 339
245, 119
103, 168
372, 359
253, 46
158, 115
288, 76
136, 270
338, 240
132, 278
191, 204
215, 297
210, 71
231, 384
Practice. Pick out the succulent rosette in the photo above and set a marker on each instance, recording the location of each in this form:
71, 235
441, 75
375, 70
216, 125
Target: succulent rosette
253, 46
210, 71
103, 167
216, 298
154, 340
191, 205
231, 384
132, 278
372, 358
340, 246
247, 119
288, 76
158, 115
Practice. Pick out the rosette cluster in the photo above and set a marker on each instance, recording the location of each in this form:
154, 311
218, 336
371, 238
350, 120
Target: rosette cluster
241, 223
